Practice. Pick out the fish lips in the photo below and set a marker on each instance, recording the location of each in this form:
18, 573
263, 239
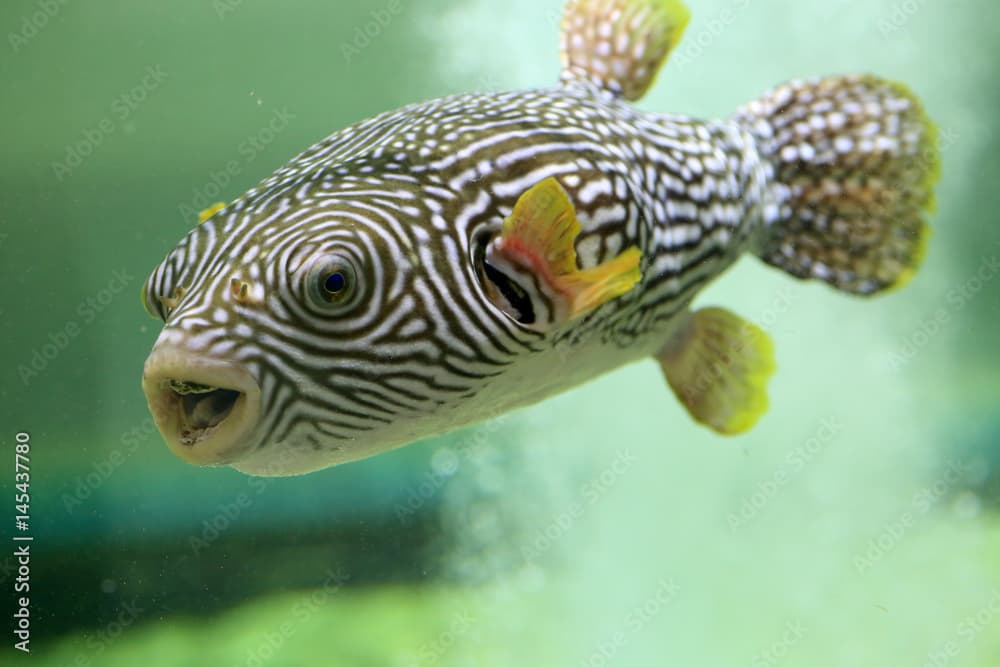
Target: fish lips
207, 410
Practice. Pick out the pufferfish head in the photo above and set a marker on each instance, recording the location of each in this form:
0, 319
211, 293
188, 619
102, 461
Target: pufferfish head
297, 340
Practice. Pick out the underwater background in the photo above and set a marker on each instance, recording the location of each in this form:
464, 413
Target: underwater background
857, 524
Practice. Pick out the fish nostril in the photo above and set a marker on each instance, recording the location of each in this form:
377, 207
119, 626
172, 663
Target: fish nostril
240, 290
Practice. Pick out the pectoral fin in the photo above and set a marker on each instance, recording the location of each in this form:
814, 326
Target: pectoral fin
535, 252
718, 365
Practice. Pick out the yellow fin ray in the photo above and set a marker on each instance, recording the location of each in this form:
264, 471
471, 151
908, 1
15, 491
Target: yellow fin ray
595, 287
718, 366
545, 223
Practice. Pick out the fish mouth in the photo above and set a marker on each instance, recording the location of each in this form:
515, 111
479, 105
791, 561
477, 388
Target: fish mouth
205, 409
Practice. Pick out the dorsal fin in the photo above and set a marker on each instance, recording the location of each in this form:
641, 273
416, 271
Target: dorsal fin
620, 45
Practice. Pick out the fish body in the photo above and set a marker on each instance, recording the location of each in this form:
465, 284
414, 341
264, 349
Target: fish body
450, 261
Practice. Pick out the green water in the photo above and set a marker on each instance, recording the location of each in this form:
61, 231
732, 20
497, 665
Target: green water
857, 524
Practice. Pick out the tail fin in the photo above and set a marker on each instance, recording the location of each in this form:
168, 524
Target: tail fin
855, 161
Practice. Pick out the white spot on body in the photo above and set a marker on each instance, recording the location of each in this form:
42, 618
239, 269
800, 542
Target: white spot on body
587, 250
594, 189
843, 144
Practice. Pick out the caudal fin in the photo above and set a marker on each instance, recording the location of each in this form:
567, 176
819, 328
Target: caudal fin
855, 161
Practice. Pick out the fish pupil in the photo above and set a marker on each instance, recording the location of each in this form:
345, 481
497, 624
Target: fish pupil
335, 283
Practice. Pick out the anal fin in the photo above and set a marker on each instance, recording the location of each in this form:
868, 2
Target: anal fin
718, 366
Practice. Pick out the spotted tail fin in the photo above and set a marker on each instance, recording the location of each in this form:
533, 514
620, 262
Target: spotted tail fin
855, 161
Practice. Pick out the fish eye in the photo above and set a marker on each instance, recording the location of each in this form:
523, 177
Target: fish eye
147, 306
333, 283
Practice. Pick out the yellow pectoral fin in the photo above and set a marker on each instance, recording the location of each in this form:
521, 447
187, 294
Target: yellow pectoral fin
594, 287
718, 366
540, 236
210, 211
543, 228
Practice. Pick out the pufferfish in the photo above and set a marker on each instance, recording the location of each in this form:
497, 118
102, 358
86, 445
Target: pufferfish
442, 264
